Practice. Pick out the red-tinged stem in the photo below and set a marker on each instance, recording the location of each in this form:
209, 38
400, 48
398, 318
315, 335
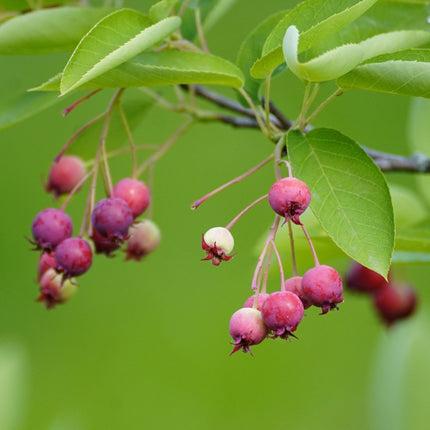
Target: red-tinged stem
200, 32
130, 140
278, 154
150, 184
290, 171
281, 269
237, 217
314, 254
77, 103
197, 203
266, 271
75, 188
293, 252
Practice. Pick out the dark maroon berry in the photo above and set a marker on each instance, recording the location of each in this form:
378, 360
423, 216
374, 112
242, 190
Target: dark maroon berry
112, 218
247, 328
73, 256
322, 287
282, 312
104, 245
50, 227
53, 290
249, 303
294, 285
362, 279
46, 261
134, 193
289, 197
395, 302
65, 175
144, 238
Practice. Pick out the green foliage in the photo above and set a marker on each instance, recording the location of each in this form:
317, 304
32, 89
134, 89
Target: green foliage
161, 9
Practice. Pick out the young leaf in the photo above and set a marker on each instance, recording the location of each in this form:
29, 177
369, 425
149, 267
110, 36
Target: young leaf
406, 73
316, 19
350, 196
343, 59
112, 41
48, 30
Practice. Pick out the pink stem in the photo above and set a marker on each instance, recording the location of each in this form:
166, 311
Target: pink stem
75, 188
237, 217
317, 263
266, 271
281, 269
70, 108
293, 252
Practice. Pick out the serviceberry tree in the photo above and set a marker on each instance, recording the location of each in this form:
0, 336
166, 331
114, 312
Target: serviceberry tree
162, 56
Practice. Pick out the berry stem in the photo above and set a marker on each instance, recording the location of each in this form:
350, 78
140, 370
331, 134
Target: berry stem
197, 203
77, 103
130, 140
281, 269
293, 252
269, 124
322, 106
237, 217
266, 270
314, 254
200, 32
278, 155
257, 114
125, 150
75, 188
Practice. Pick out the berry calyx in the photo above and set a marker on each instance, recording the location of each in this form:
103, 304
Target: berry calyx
322, 287
134, 193
144, 238
247, 328
65, 175
73, 257
249, 303
294, 285
53, 290
111, 218
362, 279
104, 245
218, 242
50, 227
282, 312
289, 197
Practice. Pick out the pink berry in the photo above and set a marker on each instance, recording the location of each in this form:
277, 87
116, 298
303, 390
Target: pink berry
247, 328
112, 218
104, 245
282, 312
46, 262
144, 238
53, 290
73, 256
360, 278
322, 287
289, 197
294, 285
395, 302
65, 175
249, 303
50, 227
134, 193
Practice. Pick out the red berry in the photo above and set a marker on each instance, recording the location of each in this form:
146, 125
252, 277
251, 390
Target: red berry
104, 245
46, 262
144, 238
322, 287
73, 257
50, 227
65, 175
249, 303
53, 290
289, 197
247, 328
282, 312
395, 302
294, 285
134, 193
112, 218
360, 278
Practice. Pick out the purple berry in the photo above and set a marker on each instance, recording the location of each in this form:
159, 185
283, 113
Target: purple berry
249, 303
282, 312
73, 256
112, 218
53, 290
144, 238
50, 227
247, 328
289, 197
322, 287
294, 285
104, 245
134, 193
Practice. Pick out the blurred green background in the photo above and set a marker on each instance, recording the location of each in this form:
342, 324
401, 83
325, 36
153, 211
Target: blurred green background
146, 345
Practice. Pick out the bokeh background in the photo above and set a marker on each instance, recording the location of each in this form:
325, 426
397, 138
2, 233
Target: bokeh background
146, 345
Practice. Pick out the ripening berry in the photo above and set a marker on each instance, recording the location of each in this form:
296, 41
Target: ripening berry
217, 242
294, 285
289, 197
249, 303
53, 290
282, 312
247, 328
65, 175
73, 257
104, 245
50, 227
360, 278
112, 218
395, 302
144, 238
46, 261
134, 193
322, 287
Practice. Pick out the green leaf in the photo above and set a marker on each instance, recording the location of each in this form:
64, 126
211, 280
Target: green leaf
112, 41
250, 51
49, 30
163, 68
161, 9
343, 59
316, 20
405, 73
350, 196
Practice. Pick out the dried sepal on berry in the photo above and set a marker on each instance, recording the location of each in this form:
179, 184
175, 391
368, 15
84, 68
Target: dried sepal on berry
218, 242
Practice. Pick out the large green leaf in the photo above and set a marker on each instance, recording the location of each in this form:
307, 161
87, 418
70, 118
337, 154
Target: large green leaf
405, 73
49, 30
112, 41
350, 196
343, 59
316, 20
163, 68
